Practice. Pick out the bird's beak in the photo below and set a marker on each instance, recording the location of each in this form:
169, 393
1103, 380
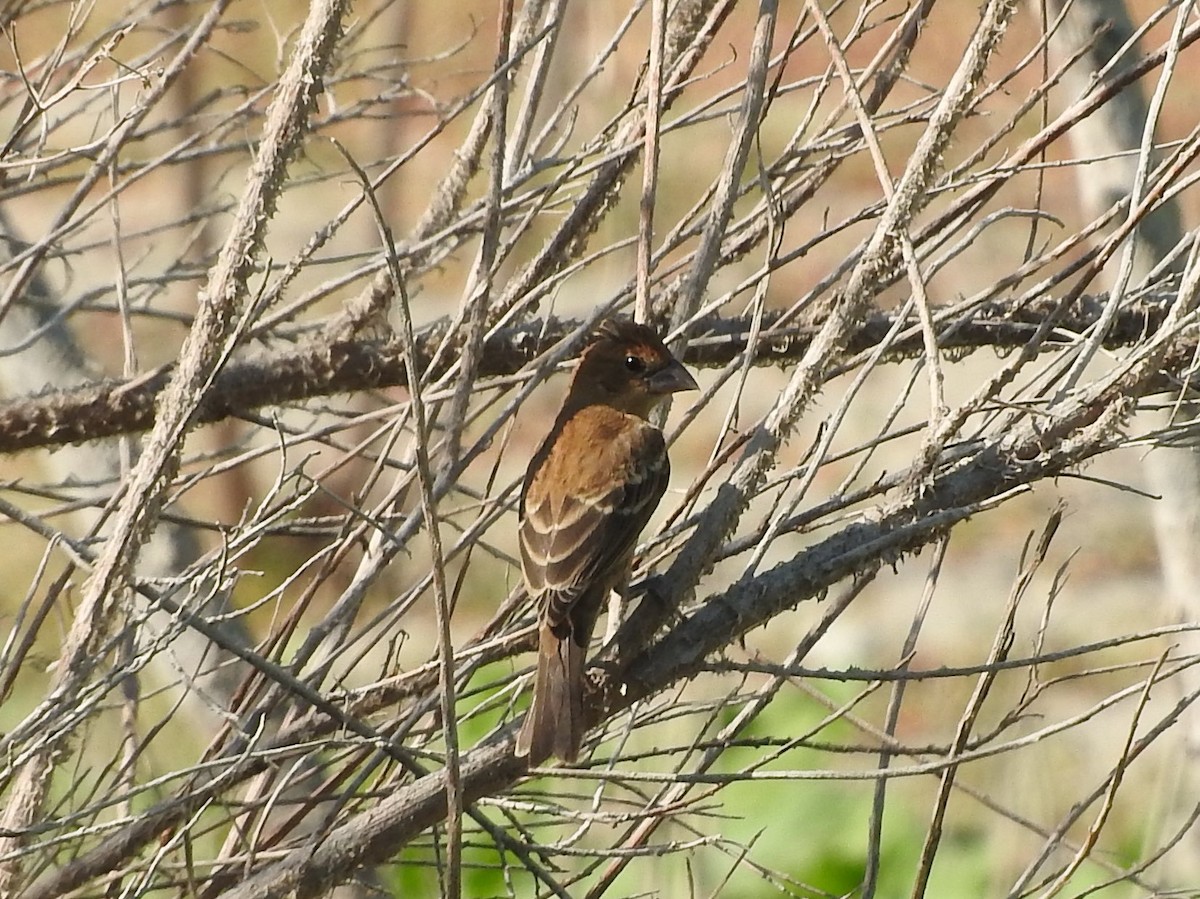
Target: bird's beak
672, 379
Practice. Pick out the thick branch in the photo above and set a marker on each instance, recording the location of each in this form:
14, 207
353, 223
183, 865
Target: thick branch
340, 365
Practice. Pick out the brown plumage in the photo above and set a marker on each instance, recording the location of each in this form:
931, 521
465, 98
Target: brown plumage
589, 491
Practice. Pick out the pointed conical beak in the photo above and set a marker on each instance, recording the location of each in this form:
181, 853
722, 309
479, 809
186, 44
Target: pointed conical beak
672, 379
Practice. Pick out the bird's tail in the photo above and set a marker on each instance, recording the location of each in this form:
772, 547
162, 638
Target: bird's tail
554, 723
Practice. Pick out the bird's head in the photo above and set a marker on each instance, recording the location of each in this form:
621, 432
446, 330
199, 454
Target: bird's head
627, 366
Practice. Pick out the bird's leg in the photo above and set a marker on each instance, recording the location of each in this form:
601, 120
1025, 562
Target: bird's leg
633, 638
621, 641
617, 598
606, 678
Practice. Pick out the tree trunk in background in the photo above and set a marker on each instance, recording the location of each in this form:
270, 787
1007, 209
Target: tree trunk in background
1096, 31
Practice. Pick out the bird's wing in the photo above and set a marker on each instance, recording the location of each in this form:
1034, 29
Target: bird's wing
584, 506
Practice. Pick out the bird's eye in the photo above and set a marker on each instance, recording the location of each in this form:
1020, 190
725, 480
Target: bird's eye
634, 363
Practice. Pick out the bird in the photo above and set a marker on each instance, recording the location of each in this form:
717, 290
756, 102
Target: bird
589, 491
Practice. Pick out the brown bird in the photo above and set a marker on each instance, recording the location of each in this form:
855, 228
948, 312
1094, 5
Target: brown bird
589, 491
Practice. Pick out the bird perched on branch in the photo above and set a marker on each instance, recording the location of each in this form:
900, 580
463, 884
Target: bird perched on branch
589, 491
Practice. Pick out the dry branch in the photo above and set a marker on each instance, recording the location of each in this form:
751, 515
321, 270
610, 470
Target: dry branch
328, 366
